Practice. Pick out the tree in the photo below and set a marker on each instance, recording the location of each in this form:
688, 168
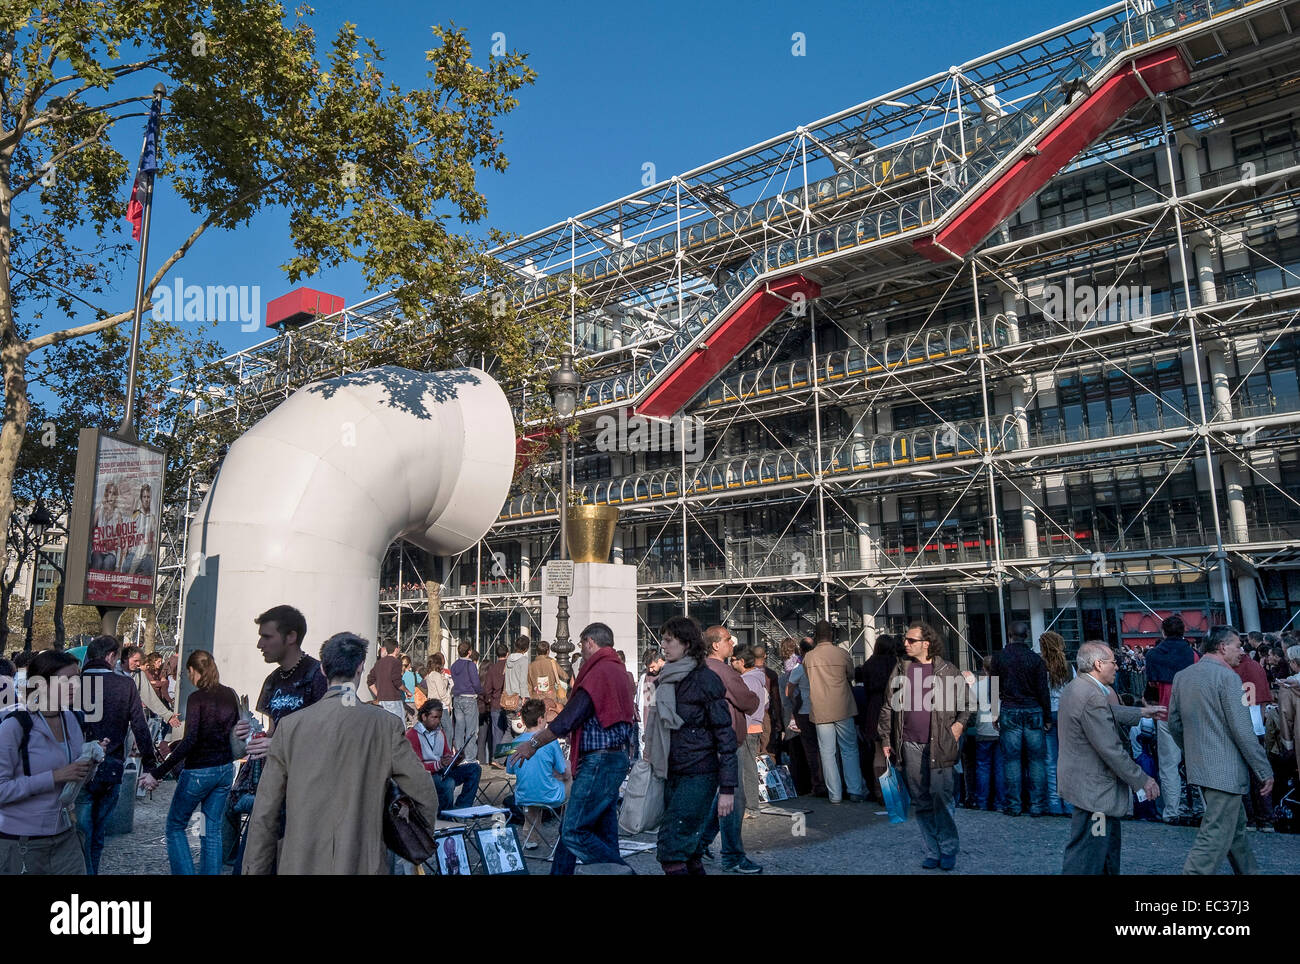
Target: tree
81, 379
255, 119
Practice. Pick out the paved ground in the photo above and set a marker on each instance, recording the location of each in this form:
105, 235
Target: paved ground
844, 839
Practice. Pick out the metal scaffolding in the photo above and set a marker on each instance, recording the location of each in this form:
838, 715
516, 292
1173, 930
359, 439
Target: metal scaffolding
1089, 419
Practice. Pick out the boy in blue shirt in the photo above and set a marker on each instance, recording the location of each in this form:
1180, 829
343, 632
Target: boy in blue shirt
541, 779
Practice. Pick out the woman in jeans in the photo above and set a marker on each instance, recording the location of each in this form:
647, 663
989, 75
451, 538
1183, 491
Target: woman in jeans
37, 834
1059, 673
210, 715
691, 746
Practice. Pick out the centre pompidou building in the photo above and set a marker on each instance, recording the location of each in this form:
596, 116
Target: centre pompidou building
1014, 341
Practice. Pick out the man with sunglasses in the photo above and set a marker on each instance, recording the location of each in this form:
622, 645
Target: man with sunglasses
927, 707
1095, 769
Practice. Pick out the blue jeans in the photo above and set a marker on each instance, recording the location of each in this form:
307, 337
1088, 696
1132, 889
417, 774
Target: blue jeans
590, 829
844, 733
1054, 802
465, 776
990, 774
1021, 734
733, 846
206, 789
94, 808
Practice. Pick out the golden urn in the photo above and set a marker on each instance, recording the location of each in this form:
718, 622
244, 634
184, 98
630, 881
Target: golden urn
591, 532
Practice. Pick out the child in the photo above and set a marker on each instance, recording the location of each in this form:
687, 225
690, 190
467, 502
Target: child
541, 779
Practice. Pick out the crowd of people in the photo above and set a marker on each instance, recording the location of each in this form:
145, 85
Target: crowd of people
1213, 740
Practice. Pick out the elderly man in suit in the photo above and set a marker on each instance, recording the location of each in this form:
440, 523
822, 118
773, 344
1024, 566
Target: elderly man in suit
331, 763
1211, 724
1095, 769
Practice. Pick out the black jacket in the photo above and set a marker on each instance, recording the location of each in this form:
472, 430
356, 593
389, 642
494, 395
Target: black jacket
210, 715
117, 707
705, 742
1022, 680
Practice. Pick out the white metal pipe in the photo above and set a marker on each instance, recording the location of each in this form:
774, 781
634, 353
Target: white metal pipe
308, 501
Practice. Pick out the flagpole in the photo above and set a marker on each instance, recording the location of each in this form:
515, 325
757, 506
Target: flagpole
127, 429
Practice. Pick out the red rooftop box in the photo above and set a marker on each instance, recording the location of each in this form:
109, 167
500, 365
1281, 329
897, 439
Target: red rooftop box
299, 306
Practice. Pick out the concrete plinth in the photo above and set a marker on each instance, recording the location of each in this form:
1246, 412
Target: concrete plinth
602, 593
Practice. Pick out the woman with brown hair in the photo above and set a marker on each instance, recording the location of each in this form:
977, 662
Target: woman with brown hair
691, 746
211, 713
38, 830
1059, 674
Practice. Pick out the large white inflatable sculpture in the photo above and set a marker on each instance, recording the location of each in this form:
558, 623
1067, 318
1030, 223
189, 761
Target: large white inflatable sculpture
309, 500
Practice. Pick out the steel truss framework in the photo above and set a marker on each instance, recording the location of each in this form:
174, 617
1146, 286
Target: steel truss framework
795, 508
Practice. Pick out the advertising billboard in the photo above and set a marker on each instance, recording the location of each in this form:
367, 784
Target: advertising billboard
113, 538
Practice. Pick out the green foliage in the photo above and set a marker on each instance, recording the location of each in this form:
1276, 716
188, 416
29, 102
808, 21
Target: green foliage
257, 115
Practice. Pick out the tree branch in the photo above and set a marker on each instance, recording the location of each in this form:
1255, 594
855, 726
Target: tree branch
44, 118
67, 334
53, 161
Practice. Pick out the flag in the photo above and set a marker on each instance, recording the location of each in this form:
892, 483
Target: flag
148, 165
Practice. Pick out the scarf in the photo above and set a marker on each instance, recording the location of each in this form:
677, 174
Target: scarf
662, 714
605, 680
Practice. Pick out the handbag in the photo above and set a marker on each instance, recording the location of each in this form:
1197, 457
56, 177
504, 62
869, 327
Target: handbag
897, 801
643, 800
510, 702
406, 832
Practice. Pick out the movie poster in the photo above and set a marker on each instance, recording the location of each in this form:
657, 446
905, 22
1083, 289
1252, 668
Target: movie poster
125, 512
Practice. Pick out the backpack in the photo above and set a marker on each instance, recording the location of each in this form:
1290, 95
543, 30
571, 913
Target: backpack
24, 718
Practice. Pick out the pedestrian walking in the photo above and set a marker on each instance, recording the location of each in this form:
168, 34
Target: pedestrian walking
1211, 725
40, 754
1095, 767
211, 713
599, 721
328, 771
691, 745
927, 708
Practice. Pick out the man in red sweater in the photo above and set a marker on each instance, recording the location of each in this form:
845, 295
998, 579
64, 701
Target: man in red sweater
598, 720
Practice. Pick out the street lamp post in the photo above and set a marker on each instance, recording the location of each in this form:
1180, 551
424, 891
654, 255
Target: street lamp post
564, 385
40, 520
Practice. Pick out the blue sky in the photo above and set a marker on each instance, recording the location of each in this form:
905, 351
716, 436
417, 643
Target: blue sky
677, 84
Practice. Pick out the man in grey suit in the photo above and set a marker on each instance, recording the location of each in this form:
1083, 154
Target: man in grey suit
1094, 768
1211, 723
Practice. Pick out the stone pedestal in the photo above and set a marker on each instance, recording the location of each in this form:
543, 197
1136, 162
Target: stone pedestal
602, 593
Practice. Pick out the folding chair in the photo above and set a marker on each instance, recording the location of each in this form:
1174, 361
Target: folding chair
557, 813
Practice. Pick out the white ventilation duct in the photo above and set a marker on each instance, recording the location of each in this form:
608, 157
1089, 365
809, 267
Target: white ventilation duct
308, 501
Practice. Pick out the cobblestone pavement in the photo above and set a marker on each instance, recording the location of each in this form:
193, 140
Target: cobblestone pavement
851, 838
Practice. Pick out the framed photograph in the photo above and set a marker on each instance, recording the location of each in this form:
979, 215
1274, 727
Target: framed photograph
452, 853
501, 851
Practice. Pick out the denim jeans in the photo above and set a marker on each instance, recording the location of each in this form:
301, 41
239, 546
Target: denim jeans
989, 776
687, 800
932, 800
94, 808
1054, 802
464, 725
843, 733
1021, 733
205, 789
465, 776
589, 831
733, 846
